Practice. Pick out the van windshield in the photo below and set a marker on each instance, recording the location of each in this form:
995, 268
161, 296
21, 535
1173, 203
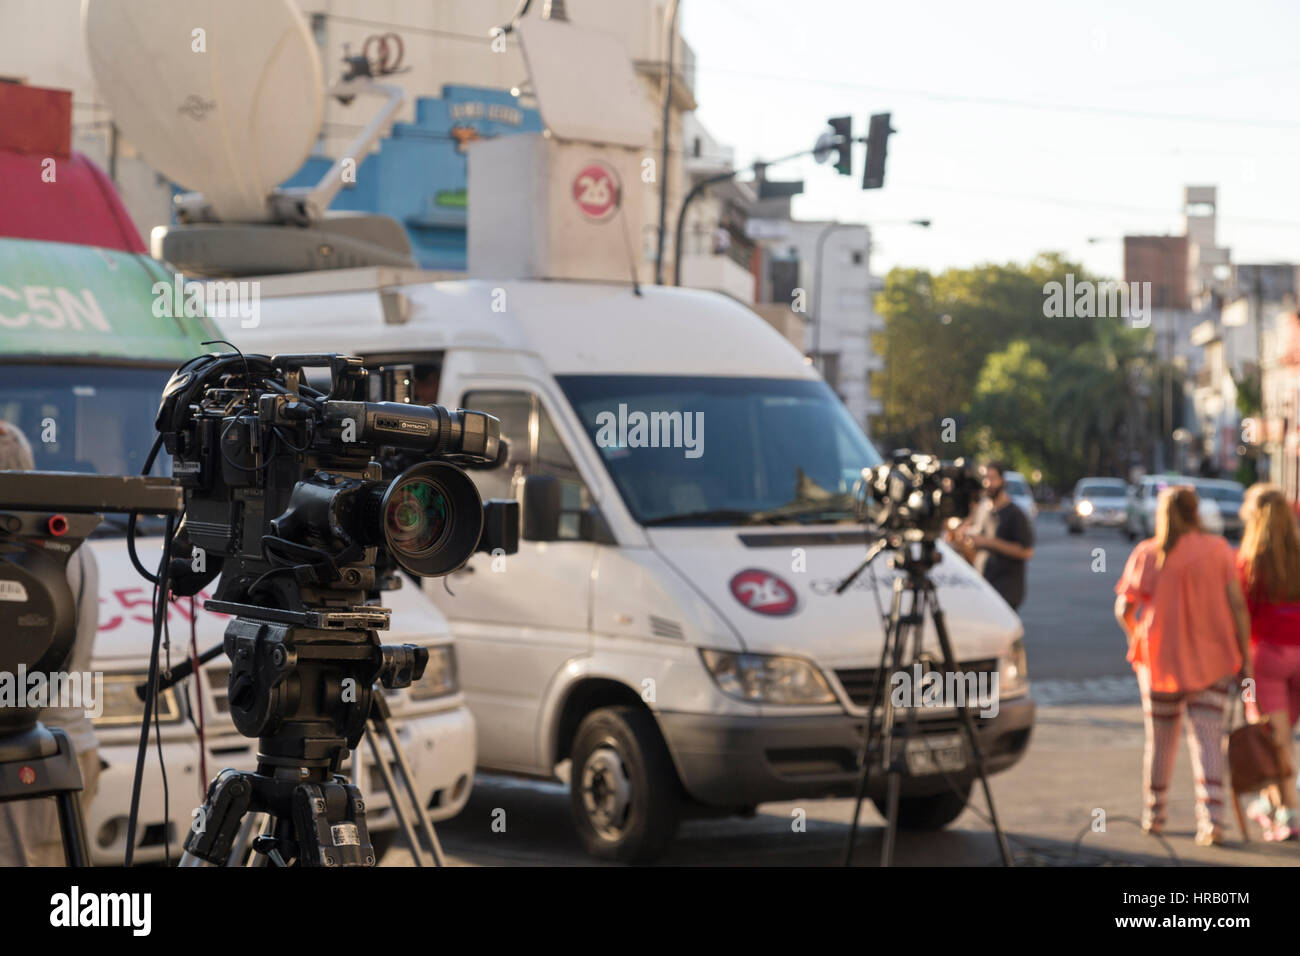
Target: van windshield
695, 450
96, 419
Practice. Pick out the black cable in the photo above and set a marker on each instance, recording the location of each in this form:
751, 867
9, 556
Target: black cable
248, 376
221, 446
157, 736
163, 581
291, 445
131, 519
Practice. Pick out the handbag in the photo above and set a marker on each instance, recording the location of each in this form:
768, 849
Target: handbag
1254, 761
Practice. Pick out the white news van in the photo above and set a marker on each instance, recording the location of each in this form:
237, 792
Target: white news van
669, 626
82, 364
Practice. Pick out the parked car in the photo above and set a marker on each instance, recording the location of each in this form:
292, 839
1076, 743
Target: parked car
1018, 491
1097, 502
1141, 520
1226, 497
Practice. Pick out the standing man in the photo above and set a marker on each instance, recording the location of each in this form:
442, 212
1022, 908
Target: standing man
1001, 539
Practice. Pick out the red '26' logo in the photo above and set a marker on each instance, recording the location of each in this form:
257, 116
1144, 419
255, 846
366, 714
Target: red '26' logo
596, 191
764, 592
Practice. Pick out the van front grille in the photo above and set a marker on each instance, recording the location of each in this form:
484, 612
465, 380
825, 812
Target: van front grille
860, 682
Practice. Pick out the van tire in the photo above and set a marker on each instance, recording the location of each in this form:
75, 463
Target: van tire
622, 747
927, 813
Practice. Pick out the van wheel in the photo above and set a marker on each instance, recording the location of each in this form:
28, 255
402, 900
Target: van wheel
623, 791
927, 813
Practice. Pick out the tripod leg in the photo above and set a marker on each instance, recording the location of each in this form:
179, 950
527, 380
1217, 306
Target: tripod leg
969, 724
399, 805
422, 812
870, 737
911, 630
219, 820
243, 838
72, 828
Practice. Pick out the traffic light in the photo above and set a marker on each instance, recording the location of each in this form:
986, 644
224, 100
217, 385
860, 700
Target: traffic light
842, 126
873, 176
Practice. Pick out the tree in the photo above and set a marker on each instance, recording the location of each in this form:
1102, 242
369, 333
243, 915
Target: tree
1067, 396
1010, 411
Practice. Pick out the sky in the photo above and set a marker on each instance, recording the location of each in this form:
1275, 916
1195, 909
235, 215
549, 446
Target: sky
1022, 127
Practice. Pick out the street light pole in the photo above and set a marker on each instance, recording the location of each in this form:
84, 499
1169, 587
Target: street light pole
817, 288
703, 184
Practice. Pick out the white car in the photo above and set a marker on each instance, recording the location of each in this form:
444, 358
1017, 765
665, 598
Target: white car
1097, 502
1141, 518
1226, 496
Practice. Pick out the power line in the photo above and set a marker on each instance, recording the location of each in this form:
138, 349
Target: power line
1008, 102
935, 95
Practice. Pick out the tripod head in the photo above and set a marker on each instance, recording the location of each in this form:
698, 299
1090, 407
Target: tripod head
916, 562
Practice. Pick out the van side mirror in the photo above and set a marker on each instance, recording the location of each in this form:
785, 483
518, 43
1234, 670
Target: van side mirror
547, 518
500, 526
541, 495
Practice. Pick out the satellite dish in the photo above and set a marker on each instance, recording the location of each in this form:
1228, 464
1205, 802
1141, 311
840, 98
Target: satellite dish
584, 84
224, 97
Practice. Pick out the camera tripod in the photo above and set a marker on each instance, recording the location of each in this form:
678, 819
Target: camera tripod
303, 683
417, 827
901, 649
40, 762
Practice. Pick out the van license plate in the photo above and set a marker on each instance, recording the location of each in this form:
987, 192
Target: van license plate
939, 753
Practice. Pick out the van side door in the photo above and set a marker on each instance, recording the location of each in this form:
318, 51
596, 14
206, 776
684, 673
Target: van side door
518, 619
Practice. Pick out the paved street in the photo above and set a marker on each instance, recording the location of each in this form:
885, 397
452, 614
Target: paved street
1076, 650
1085, 757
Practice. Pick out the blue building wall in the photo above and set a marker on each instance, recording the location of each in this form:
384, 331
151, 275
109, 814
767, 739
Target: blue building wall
418, 174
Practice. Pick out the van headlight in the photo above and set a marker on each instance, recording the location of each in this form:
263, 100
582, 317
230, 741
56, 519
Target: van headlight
1013, 670
122, 706
439, 678
1084, 508
767, 678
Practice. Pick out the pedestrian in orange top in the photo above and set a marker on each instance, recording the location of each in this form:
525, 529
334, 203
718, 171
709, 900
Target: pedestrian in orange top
1181, 606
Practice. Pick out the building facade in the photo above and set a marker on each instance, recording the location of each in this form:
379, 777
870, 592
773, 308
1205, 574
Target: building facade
447, 51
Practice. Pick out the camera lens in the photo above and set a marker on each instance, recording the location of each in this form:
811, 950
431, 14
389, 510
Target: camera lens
432, 517
417, 515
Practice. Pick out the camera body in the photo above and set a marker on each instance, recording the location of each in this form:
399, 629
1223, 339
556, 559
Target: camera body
285, 493
915, 495
286, 498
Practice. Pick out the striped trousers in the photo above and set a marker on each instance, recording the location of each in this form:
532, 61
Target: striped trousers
1162, 714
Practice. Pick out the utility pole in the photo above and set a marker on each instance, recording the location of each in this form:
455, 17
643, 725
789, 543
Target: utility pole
671, 44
